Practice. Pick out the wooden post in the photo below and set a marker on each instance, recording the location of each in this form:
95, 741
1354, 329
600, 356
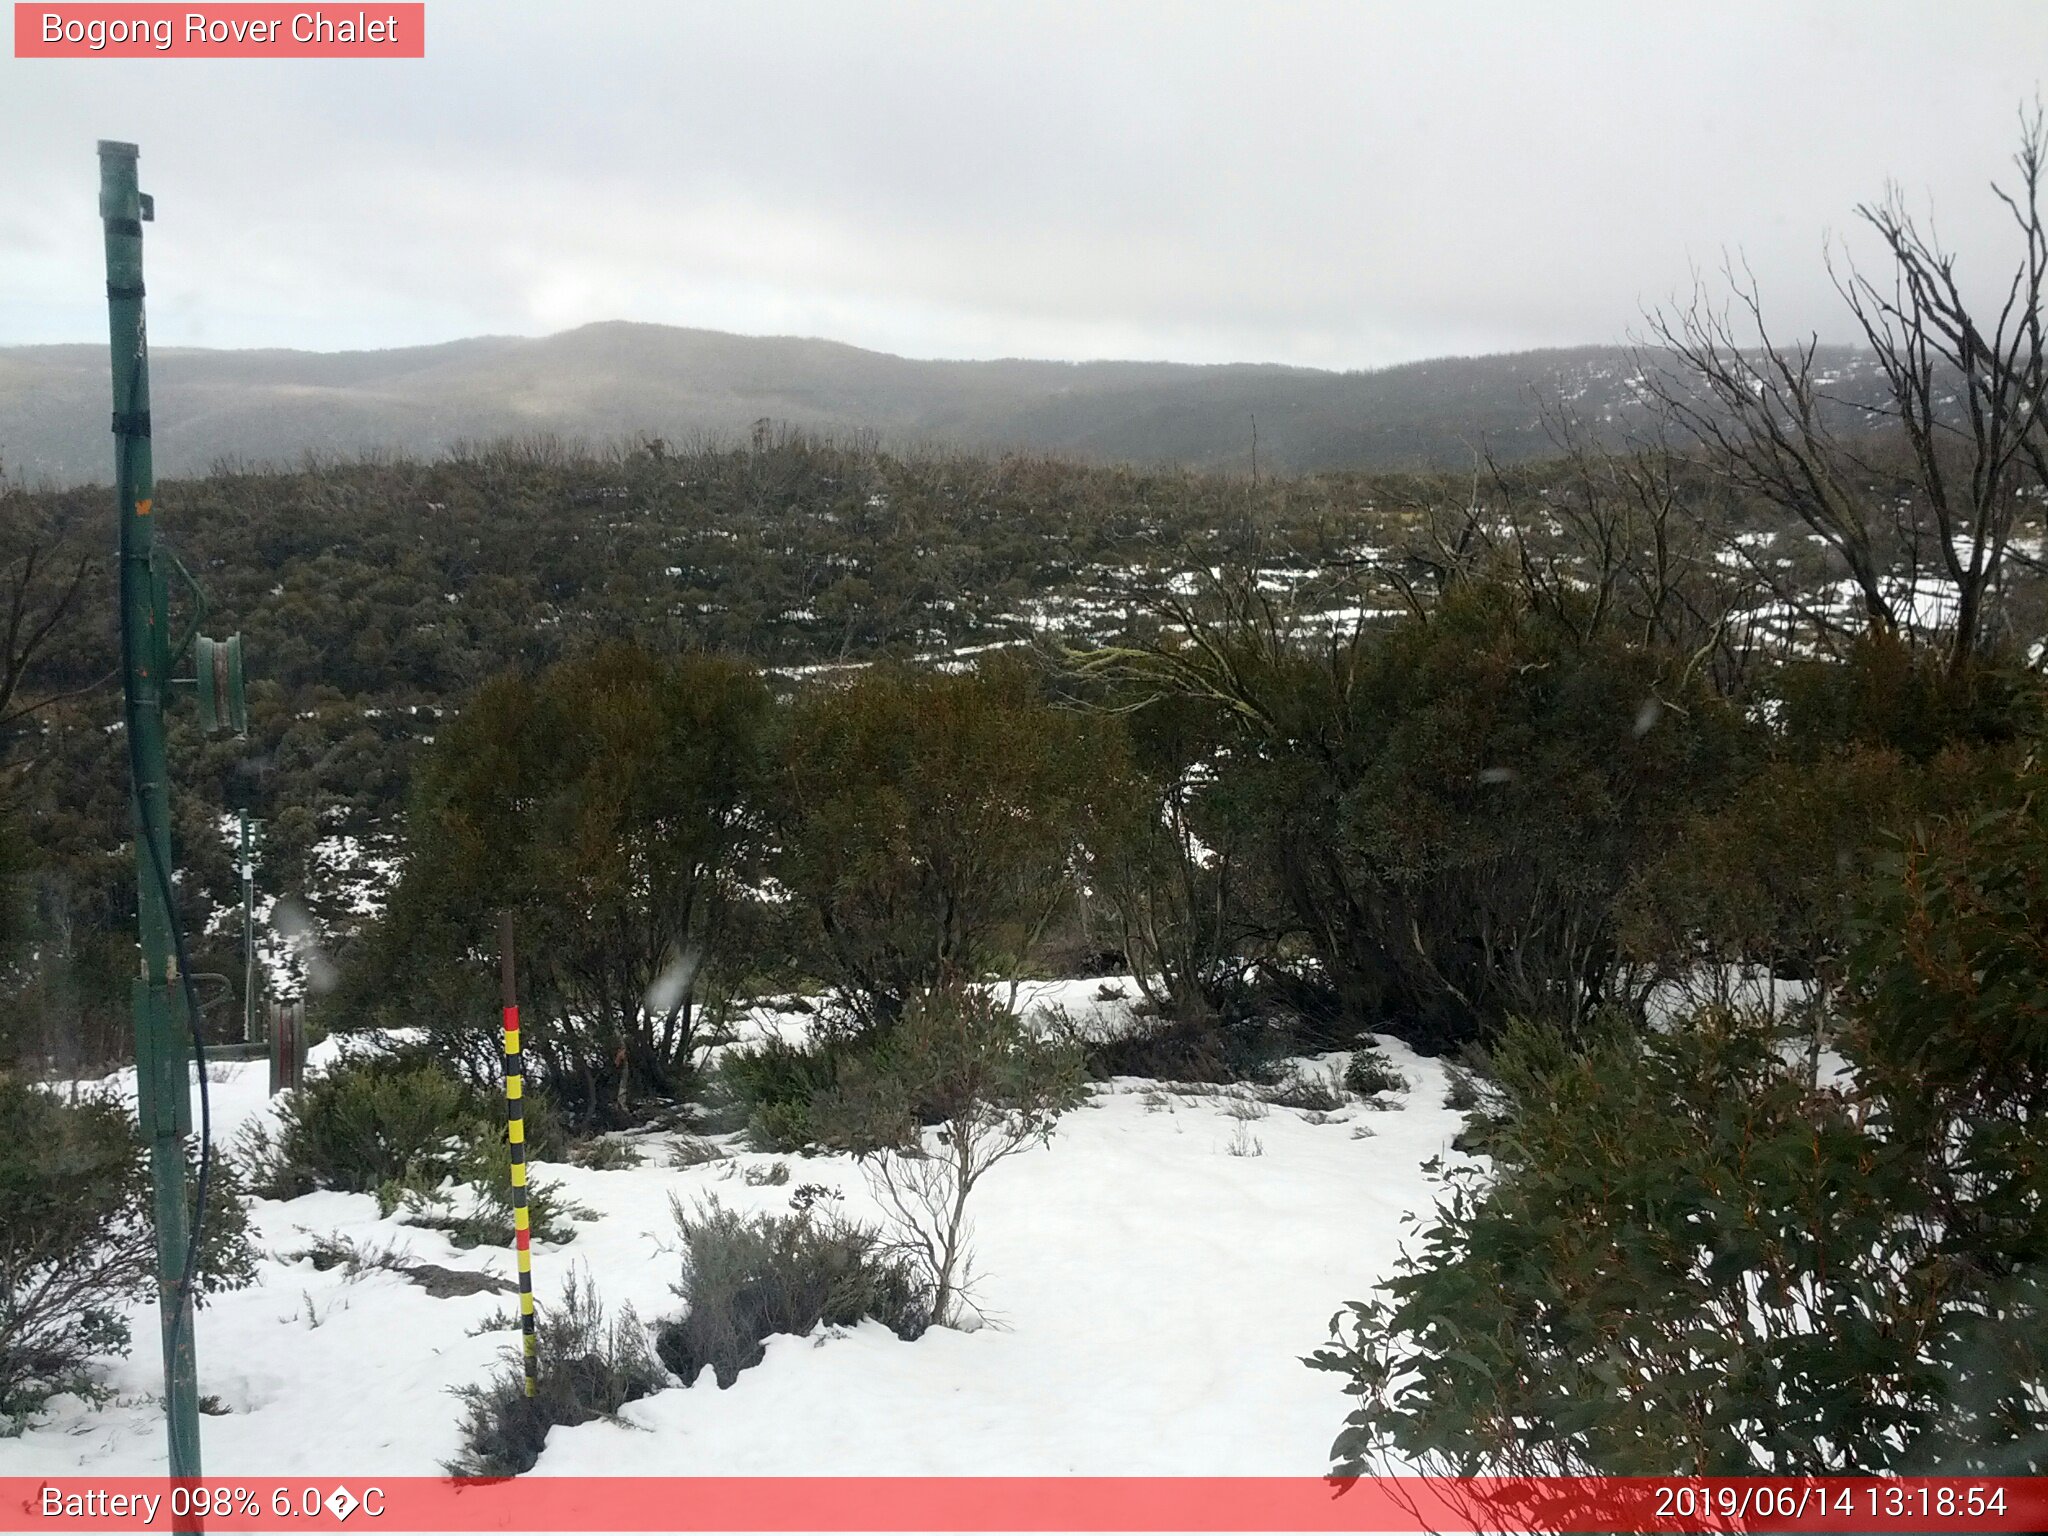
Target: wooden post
287, 1045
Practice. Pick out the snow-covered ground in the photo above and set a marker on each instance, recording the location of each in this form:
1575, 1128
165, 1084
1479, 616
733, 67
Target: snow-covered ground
1154, 1276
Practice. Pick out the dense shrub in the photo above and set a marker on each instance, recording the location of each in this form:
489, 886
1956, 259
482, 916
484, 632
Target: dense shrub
615, 802
77, 1243
768, 1089
1694, 1258
1764, 881
1949, 963
745, 1278
1699, 1253
1886, 696
1445, 812
930, 822
1369, 1073
1860, 749
1168, 863
589, 1368
369, 1120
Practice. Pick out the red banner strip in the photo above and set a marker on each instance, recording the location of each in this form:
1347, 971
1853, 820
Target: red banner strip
375, 30
1063, 1504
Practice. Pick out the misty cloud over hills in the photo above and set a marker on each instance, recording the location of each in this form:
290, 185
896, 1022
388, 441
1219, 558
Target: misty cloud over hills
621, 380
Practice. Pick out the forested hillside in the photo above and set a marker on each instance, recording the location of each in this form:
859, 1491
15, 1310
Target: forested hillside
625, 382
376, 597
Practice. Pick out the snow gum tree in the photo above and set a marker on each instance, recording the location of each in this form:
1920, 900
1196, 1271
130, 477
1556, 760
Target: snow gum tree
614, 804
930, 825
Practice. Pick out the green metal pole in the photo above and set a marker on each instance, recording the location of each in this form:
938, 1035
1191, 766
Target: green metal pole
162, 1030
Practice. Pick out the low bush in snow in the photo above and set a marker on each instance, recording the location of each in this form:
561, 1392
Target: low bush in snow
1369, 1073
474, 1204
589, 1368
694, 1152
768, 1089
77, 1243
1187, 1051
1306, 1088
605, 1153
1461, 1089
987, 1084
745, 1278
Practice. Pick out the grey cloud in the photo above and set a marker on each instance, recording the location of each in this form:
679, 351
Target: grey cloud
1341, 184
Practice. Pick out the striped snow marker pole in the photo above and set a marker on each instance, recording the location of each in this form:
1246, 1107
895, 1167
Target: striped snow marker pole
515, 1136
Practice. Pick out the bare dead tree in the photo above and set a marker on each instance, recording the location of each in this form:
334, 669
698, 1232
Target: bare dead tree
1758, 407
1972, 472
1603, 540
1967, 389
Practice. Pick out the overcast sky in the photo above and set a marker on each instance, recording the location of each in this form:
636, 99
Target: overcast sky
1340, 185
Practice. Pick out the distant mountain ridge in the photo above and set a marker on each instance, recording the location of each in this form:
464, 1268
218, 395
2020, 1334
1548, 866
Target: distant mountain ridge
620, 379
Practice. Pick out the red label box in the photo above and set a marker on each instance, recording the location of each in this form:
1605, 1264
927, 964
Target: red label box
373, 30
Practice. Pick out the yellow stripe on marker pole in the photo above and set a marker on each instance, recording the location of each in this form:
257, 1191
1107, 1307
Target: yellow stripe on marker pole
515, 1138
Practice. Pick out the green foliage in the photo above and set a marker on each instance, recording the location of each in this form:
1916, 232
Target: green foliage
1886, 695
1369, 1073
1861, 748
78, 1243
474, 1203
1950, 961
1765, 880
369, 1121
1446, 812
747, 1278
930, 823
589, 1369
771, 1086
613, 805
1698, 1254
1692, 1258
